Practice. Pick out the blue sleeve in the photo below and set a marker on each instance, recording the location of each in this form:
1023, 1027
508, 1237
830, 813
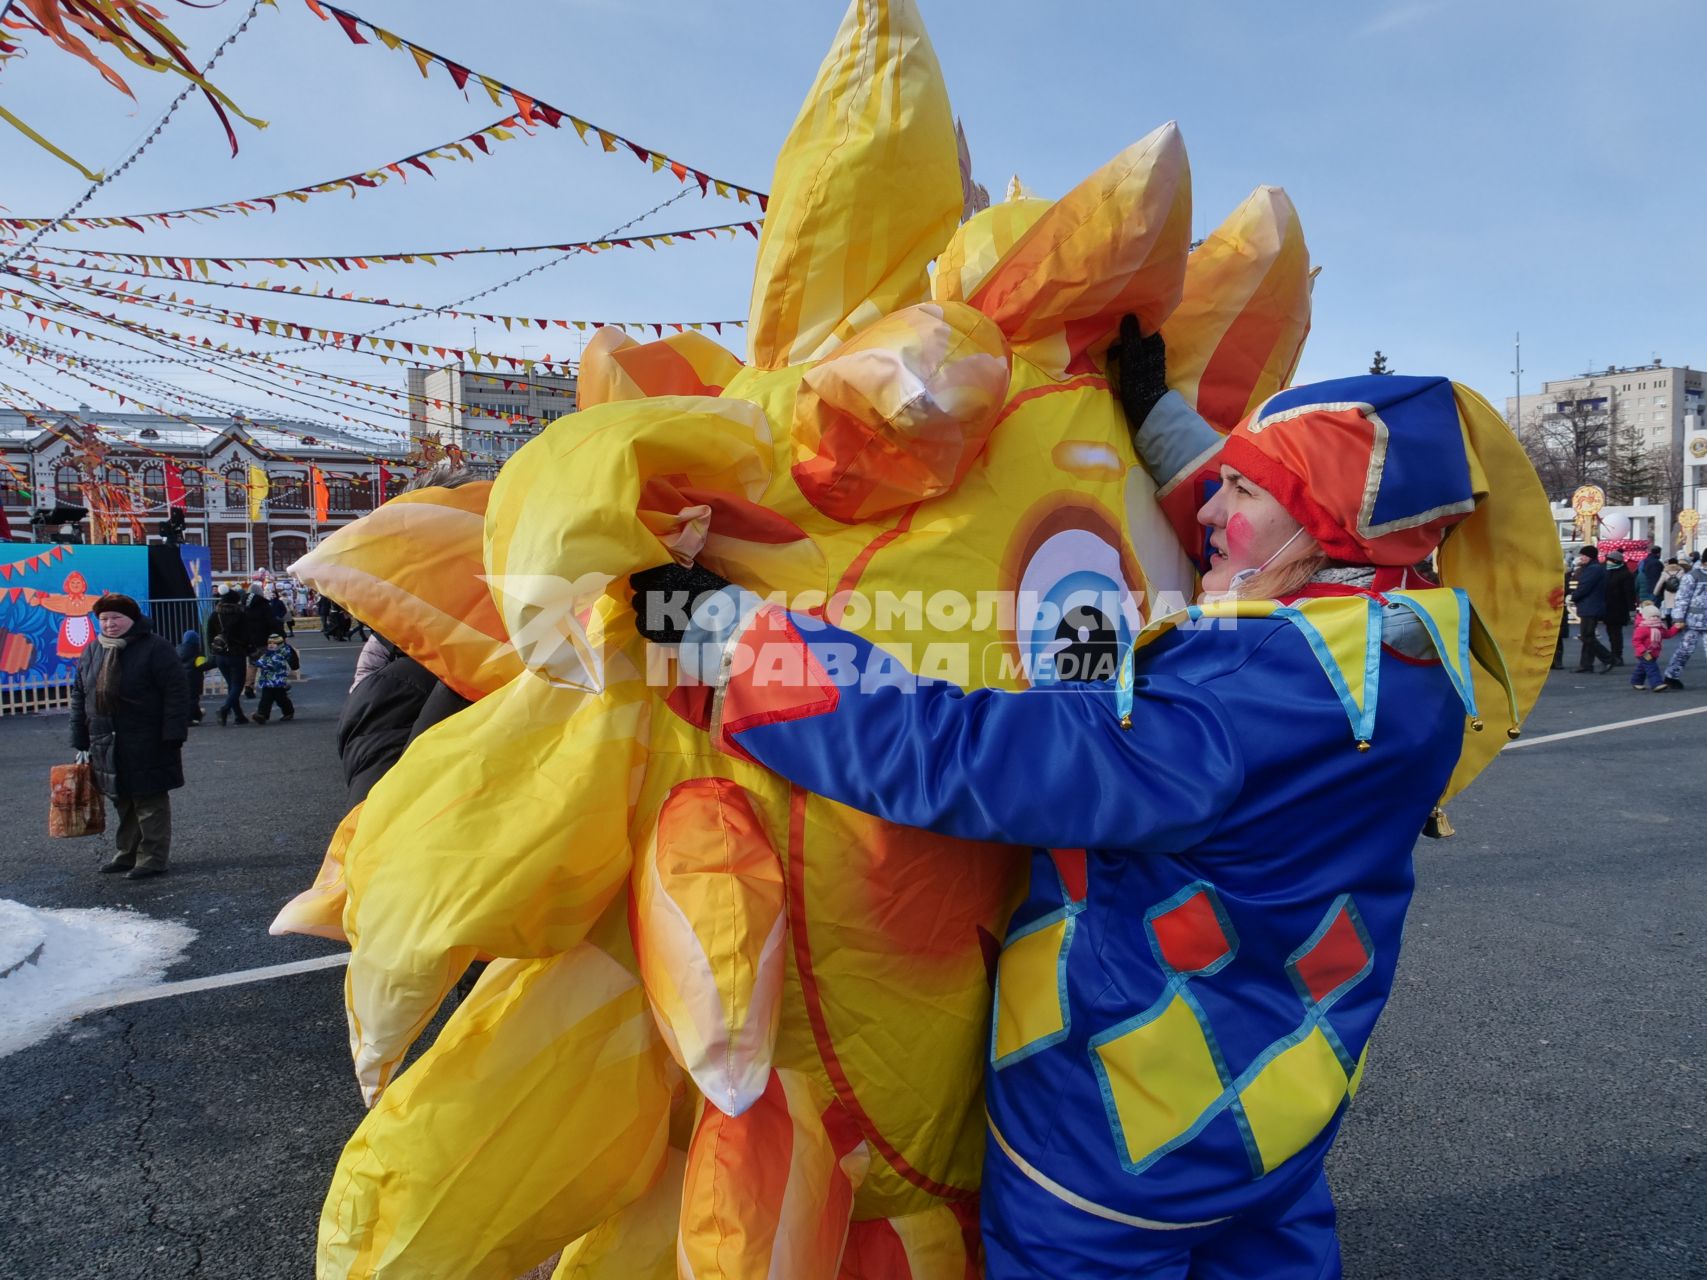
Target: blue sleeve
1046, 767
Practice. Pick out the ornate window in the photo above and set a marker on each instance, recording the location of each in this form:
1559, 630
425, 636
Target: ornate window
288, 492
68, 484
236, 490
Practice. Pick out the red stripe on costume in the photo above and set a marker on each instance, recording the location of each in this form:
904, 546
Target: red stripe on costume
855, 571
797, 930
1093, 381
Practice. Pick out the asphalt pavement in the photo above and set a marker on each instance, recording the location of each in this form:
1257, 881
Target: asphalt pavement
1533, 1105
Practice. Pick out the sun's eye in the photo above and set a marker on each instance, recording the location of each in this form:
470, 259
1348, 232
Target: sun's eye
1075, 612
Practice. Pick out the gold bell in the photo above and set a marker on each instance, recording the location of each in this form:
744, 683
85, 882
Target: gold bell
1126, 720
1476, 723
1363, 744
1514, 733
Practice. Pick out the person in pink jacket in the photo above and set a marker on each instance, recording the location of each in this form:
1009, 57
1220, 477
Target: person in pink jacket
1645, 641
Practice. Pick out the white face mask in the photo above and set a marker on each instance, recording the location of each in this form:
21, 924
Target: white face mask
1245, 575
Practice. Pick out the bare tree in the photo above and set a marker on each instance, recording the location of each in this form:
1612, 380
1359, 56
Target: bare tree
1569, 440
1665, 464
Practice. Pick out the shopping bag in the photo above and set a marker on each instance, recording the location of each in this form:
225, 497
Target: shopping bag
76, 808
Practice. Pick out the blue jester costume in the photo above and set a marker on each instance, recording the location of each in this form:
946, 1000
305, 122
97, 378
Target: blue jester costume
1185, 997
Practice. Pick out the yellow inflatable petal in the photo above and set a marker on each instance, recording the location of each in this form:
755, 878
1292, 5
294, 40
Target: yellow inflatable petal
639, 1241
979, 244
319, 909
769, 1192
616, 367
502, 831
412, 571
590, 472
708, 931
866, 190
543, 1107
1506, 555
1239, 329
1114, 244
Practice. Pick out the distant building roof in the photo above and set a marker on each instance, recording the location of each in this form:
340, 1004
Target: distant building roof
201, 434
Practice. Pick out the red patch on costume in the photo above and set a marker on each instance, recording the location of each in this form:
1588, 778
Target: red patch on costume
1338, 956
1190, 935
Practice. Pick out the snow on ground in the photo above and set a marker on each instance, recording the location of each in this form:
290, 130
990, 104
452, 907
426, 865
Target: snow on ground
83, 956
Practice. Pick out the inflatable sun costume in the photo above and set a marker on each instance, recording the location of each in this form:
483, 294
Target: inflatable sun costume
730, 1028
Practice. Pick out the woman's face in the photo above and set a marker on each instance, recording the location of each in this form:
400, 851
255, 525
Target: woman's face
114, 625
1246, 526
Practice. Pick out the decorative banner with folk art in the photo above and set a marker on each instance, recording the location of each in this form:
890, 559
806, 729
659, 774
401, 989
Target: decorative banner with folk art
752, 1022
47, 598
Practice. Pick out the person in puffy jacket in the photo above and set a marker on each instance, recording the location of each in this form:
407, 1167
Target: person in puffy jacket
130, 715
1645, 643
195, 664
1590, 599
1690, 609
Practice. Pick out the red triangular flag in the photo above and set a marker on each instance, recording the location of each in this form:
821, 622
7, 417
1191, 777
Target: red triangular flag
348, 23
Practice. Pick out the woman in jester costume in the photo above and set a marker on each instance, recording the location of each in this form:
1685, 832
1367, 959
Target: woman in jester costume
1186, 996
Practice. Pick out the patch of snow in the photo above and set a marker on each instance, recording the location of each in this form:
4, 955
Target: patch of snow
83, 955
21, 936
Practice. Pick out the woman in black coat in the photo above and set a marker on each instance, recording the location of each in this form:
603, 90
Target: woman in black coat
130, 714
1620, 604
258, 625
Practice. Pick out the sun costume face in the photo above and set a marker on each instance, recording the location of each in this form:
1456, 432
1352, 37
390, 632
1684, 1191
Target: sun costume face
725, 1018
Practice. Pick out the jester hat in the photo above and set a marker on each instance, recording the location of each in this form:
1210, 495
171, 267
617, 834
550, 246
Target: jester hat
1390, 470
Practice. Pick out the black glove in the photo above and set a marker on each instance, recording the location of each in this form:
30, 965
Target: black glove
665, 598
1142, 375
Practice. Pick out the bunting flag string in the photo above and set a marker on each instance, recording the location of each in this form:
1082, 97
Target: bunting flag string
46, 352
60, 361
42, 269
49, 421
187, 266
33, 349
306, 333
531, 107
29, 564
281, 369
70, 364
456, 149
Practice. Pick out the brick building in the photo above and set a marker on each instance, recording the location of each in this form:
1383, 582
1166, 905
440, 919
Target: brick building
55, 452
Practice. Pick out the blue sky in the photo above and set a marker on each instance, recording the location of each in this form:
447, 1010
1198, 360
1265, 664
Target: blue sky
1465, 169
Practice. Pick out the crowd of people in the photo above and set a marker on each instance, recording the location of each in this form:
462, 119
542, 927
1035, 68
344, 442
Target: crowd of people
134, 699
1662, 596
